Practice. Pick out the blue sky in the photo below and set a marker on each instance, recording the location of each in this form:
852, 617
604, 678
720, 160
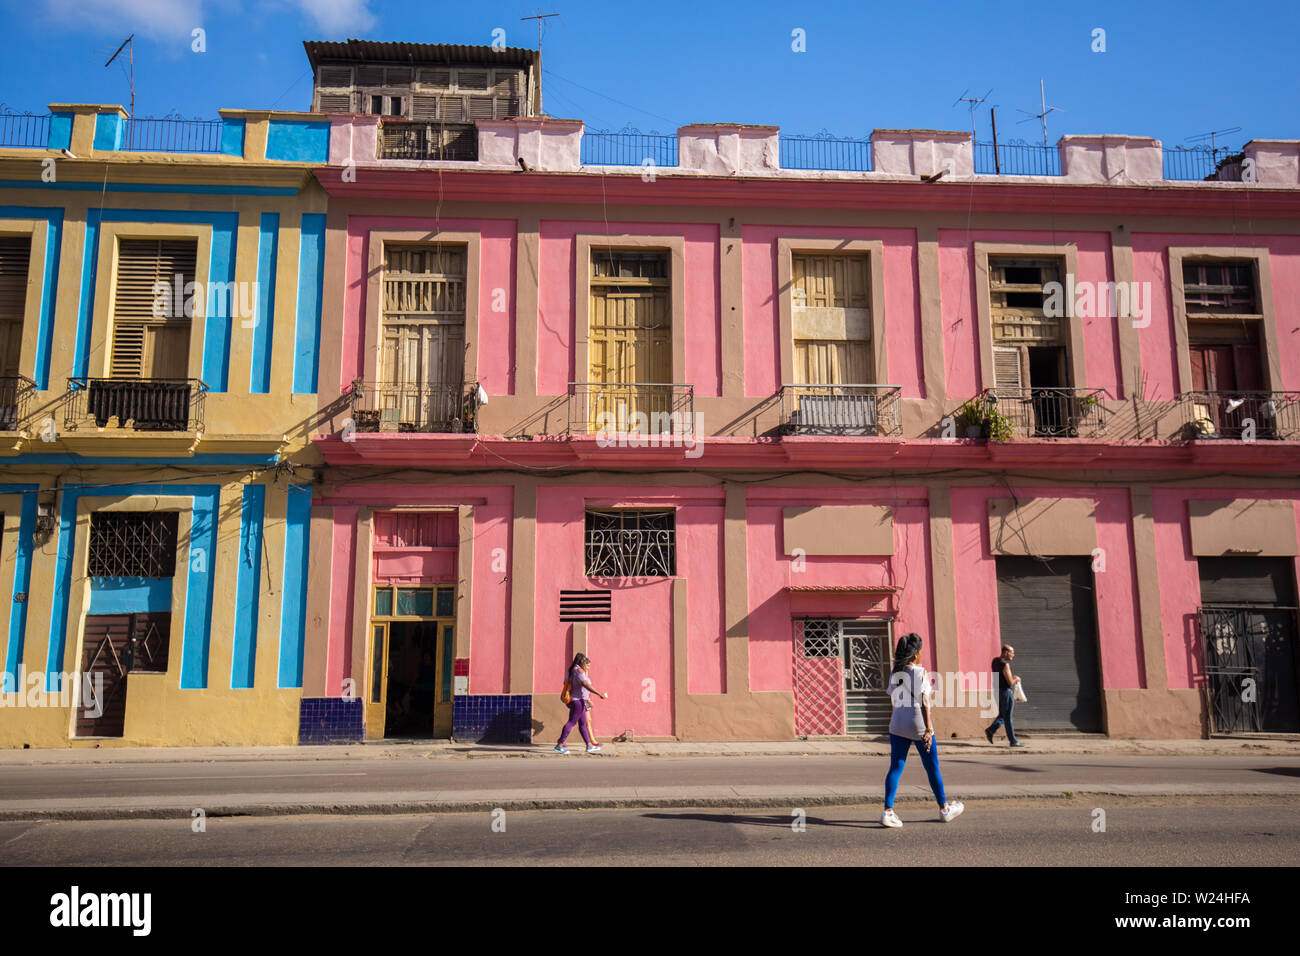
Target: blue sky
1170, 69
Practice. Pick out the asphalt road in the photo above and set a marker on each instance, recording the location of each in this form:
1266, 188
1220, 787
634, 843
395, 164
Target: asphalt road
1259, 831
32, 784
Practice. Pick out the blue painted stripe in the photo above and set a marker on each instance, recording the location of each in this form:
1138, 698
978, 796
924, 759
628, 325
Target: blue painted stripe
181, 188
252, 461
109, 129
259, 378
293, 612
232, 137
60, 131
221, 268
21, 582
311, 280
298, 141
129, 595
198, 597
49, 283
198, 592
247, 588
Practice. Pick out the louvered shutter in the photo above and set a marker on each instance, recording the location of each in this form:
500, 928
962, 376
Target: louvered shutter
149, 342
472, 79
1006, 369
453, 109
15, 256
505, 82
436, 78
424, 108
335, 102
480, 107
334, 77
370, 76
398, 76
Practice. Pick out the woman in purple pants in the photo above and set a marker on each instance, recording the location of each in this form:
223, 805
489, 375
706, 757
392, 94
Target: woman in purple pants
580, 691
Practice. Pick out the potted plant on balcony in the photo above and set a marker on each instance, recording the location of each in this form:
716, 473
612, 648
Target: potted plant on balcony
980, 418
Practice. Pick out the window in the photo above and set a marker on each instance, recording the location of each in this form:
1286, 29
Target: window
15, 255
1029, 334
631, 544
377, 105
151, 331
831, 318
415, 601
1220, 288
422, 344
133, 544
630, 341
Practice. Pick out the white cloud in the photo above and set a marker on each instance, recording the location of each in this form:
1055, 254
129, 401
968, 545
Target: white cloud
339, 17
156, 19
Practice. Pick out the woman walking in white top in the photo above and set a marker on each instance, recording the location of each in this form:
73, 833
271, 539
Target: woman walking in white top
913, 697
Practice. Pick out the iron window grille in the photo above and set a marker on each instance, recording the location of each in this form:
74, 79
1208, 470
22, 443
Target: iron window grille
133, 544
631, 544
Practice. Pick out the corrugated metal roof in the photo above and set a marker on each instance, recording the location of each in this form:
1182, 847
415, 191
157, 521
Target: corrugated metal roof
439, 54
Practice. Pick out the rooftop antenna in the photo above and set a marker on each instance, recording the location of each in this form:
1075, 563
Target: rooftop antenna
131, 74
1210, 138
974, 101
541, 18
1044, 110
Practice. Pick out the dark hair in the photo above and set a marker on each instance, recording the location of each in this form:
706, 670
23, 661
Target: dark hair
909, 645
579, 660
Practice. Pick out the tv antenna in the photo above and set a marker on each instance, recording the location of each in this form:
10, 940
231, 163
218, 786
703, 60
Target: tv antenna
974, 101
541, 19
131, 68
1044, 110
1210, 138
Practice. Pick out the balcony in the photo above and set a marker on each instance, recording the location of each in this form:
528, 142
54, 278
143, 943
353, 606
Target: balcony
15, 397
405, 409
1052, 412
147, 404
1242, 416
405, 139
631, 408
840, 409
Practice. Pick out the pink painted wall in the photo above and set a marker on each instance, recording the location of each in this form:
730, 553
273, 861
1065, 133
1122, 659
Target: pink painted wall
961, 324
762, 315
637, 645
1180, 578
1151, 264
489, 621
496, 345
771, 571
557, 309
976, 583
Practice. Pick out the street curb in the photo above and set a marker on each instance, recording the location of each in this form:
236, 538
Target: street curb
782, 801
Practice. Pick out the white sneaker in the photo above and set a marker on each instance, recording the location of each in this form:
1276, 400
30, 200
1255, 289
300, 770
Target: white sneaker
952, 811
890, 819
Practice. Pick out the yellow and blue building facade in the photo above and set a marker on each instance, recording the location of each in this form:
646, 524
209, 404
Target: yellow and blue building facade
231, 475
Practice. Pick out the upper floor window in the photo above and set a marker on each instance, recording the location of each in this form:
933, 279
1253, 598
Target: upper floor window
152, 308
631, 544
1220, 288
1030, 336
831, 318
133, 544
15, 255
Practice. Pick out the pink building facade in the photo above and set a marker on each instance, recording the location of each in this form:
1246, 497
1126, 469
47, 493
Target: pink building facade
730, 430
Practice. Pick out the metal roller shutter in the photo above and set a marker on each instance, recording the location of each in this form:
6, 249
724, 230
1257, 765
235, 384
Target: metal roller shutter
1046, 614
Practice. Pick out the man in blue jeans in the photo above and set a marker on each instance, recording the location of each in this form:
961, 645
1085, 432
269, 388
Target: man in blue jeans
1006, 695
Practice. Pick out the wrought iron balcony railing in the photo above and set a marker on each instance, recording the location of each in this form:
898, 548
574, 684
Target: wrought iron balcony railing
15, 399
405, 139
1053, 412
148, 404
840, 409
401, 408
1242, 415
642, 408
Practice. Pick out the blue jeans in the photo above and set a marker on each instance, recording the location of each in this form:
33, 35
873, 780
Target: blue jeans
1006, 703
898, 759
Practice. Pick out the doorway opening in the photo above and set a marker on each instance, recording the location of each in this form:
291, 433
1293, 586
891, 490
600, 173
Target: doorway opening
412, 658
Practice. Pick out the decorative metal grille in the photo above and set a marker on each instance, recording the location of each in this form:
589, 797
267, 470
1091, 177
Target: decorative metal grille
133, 544
821, 639
631, 544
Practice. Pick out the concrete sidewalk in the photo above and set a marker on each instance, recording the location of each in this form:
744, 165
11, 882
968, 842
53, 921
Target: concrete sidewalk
1257, 745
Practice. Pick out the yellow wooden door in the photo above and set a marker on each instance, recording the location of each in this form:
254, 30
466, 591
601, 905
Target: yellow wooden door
831, 319
377, 695
630, 340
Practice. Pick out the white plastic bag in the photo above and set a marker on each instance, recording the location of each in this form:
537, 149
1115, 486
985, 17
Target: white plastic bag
1019, 693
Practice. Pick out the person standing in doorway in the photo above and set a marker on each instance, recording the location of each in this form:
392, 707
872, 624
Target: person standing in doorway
580, 691
913, 698
1006, 695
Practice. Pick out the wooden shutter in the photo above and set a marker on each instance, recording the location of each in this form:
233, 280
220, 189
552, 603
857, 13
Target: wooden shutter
831, 318
334, 77
439, 79
472, 79
424, 107
505, 82
145, 344
335, 102
1016, 302
480, 107
1006, 369
423, 336
15, 256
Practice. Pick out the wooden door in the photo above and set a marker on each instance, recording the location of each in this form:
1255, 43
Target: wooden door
630, 340
106, 660
422, 349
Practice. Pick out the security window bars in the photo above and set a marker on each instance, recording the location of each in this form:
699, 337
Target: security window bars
1220, 288
631, 544
821, 639
133, 544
